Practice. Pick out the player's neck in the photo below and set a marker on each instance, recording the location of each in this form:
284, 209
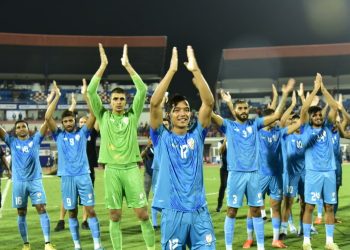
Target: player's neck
241, 121
179, 131
23, 138
118, 112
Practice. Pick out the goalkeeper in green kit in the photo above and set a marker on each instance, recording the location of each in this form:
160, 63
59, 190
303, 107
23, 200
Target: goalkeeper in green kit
119, 151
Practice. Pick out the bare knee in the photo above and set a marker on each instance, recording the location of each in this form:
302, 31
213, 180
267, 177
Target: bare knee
90, 211
329, 208
73, 213
231, 212
142, 213
40, 208
115, 215
22, 211
309, 208
255, 211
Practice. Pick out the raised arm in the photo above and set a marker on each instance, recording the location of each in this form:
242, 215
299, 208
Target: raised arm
49, 121
304, 116
95, 100
73, 104
92, 118
2, 133
217, 119
301, 93
305, 107
332, 103
44, 128
341, 108
203, 88
50, 97
289, 110
156, 110
286, 89
226, 97
273, 103
342, 129
141, 88
324, 110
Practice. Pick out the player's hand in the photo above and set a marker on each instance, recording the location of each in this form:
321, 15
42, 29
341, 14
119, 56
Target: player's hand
125, 58
318, 81
274, 90
315, 101
56, 89
294, 99
301, 90
191, 65
174, 60
225, 96
103, 56
287, 88
73, 100
340, 102
84, 87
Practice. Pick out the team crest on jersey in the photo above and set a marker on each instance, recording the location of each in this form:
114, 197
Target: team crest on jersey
77, 137
30, 144
125, 120
249, 130
190, 143
274, 137
208, 239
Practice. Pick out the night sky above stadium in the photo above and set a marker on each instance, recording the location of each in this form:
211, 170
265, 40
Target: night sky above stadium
209, 26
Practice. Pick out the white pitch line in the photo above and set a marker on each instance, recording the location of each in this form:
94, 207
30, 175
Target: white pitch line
4, 194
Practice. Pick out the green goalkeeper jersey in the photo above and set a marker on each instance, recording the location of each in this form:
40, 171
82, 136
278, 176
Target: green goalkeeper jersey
119, 146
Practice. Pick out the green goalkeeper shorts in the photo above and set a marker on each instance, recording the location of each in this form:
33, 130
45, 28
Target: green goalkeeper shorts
120, 183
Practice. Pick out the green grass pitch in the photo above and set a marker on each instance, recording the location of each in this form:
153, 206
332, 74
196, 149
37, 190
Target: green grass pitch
132, 238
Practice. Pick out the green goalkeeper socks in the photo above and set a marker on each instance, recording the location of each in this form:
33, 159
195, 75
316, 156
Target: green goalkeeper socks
115, 234
148, 234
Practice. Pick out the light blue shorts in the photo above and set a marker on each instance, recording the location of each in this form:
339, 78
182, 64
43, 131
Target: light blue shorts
74, 186
194, 229
243, 183
272, 186
295, 185
23, 189
320, 185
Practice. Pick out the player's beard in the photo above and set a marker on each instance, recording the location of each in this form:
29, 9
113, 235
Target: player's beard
242, 117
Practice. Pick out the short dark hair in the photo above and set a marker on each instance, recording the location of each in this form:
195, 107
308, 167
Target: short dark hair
268, 112
314, 109
67, 113
174, 101
21, 121
239, 101
118, 90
